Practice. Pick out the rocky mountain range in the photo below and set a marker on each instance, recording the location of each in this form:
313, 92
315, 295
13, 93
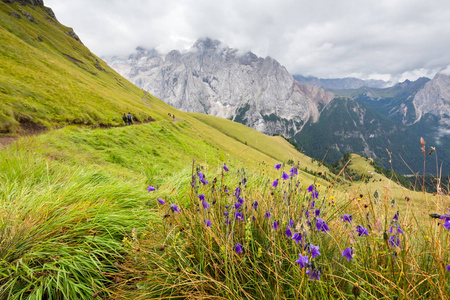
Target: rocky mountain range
341, 83
214, 79
359, 116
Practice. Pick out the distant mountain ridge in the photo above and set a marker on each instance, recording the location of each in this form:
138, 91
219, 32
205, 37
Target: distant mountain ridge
341, 83
358, 116
214, 79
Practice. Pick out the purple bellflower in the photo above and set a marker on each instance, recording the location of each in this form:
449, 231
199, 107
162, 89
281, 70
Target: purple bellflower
205, 205
313, 274
288, 232
277, 166
174, 208
361, 230
314, 251
347, 218
297, 237
303, 261
348, 253
161, 201
150, 188
285, 176
275, 183
275, 225
321, 225
208, 223
238, 248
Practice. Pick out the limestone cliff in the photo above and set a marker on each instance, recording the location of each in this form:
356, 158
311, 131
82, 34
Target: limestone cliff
214, 79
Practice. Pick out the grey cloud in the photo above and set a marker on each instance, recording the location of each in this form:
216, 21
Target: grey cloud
387, 38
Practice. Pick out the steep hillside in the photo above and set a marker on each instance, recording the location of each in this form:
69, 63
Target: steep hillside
49, 79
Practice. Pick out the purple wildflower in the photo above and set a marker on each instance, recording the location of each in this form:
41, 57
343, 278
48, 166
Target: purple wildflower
291, 223
348, 253
321, 225
399, 229
394, 241
275, 183
285, 176
150, 188
315, 195
241, 201
288, 232
225, 213
237, 192
448, 268
297, 237
395, 218
208, 223
314, 251
361, 230
303, 261
225, 167
317, 212
313, 274
277, 166
447, 225
255, 205
347, 218
293, 171
201, 197
161, 201
205, 205
238, 216
445, 217
310, 188
238, 248
174, 208
275, 225
237, 205
267, 215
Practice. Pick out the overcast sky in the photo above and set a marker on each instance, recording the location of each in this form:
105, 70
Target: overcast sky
381, 39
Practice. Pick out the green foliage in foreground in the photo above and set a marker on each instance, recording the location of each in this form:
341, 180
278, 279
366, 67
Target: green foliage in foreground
404, 256
61, 227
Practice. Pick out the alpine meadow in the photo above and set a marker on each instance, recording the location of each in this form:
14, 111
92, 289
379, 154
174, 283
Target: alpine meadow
184, 205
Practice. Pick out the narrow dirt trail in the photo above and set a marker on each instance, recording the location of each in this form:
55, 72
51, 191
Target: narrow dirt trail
143, 99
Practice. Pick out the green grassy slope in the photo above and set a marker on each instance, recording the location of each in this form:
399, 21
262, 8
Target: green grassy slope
49, 78
76, 220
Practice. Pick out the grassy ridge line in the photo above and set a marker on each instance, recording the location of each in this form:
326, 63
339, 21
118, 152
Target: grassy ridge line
50, 78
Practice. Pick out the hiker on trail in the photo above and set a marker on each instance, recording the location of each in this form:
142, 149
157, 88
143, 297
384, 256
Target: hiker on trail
173, 117
130, 119
124, 118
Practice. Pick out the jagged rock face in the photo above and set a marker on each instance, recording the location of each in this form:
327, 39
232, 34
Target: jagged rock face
214, 79
434, 98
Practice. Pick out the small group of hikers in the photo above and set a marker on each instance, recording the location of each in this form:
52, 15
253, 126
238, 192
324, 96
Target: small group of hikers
127, 119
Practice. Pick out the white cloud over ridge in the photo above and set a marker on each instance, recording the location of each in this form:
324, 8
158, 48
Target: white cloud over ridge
396, 39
